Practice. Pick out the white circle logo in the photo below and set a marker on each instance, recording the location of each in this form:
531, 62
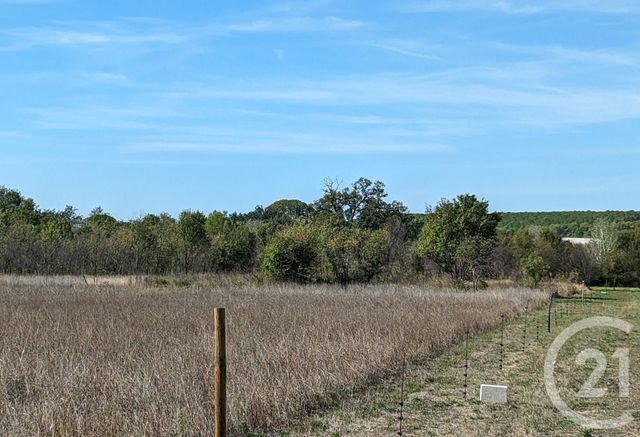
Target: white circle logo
588, 389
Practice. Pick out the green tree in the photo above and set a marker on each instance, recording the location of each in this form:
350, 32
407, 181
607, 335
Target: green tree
193, 236
472, 256
95, 234
363, 204
294, 254
166, 256
14, 208
145, 239
451, 232
123, 251
9, 198
354, 254
286, 211
101, 220
217, 224
623, 267
534, 269
234, 250
55, 226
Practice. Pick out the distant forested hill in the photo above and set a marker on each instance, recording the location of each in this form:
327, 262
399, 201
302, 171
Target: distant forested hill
567, 223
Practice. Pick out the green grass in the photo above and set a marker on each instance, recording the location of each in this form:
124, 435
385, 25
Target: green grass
623, 289
435, 405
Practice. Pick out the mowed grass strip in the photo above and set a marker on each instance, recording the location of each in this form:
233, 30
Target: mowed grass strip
131, 360
435, 404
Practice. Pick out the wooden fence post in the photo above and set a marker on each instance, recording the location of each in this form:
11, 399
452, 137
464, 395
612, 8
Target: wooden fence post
219, 375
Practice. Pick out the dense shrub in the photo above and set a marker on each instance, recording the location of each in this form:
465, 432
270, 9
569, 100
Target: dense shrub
355, 255
535, 268
294, 254
623, 269
234, 250
313, 252
459, 235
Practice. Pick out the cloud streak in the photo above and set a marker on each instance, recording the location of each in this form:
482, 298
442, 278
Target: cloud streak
28, 2
373, 91
162, 128
290, 24
85, 35
511, 93
380, 112
150, 32
9, 135
523, 7
405, 48
330, 146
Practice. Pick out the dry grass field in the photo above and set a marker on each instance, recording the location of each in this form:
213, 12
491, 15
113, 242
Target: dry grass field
78, 359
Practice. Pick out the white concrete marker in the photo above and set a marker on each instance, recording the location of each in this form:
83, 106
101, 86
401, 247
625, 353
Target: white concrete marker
493, 394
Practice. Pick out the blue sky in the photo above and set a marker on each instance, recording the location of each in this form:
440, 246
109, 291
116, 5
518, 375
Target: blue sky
153, 106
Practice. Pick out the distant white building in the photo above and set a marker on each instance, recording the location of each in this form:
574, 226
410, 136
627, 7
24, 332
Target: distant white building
578, 241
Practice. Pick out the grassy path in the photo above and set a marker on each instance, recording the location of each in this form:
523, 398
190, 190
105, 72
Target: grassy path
434, 399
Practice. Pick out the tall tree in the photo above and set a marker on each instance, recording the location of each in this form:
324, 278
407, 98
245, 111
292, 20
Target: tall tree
362, 204
97, 230
458, 235
193, 236
216, 225
287, 211
605, 240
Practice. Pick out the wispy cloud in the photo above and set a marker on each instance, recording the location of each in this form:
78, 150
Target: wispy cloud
9, 135
545, 53
289, 24
67, 77
102, 117
148, 31
517, 95
404, 47
344, 114
85, 35
104, 77
298, 7
29, 2
523, 7
165, 128
471, 87
275, 92
319, 146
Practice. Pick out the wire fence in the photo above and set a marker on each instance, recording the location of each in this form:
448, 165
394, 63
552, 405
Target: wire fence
519, 341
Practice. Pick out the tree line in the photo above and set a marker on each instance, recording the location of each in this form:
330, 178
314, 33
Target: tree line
350, 234
568, 223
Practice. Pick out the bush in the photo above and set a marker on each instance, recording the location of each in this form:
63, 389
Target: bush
234, 251
534, 268
294, 254
317, 253
356, 255
459, 236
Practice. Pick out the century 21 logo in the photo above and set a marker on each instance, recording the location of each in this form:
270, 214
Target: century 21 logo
589, 389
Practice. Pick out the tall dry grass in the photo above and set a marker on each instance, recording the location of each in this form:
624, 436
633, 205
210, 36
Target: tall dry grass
81, 360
